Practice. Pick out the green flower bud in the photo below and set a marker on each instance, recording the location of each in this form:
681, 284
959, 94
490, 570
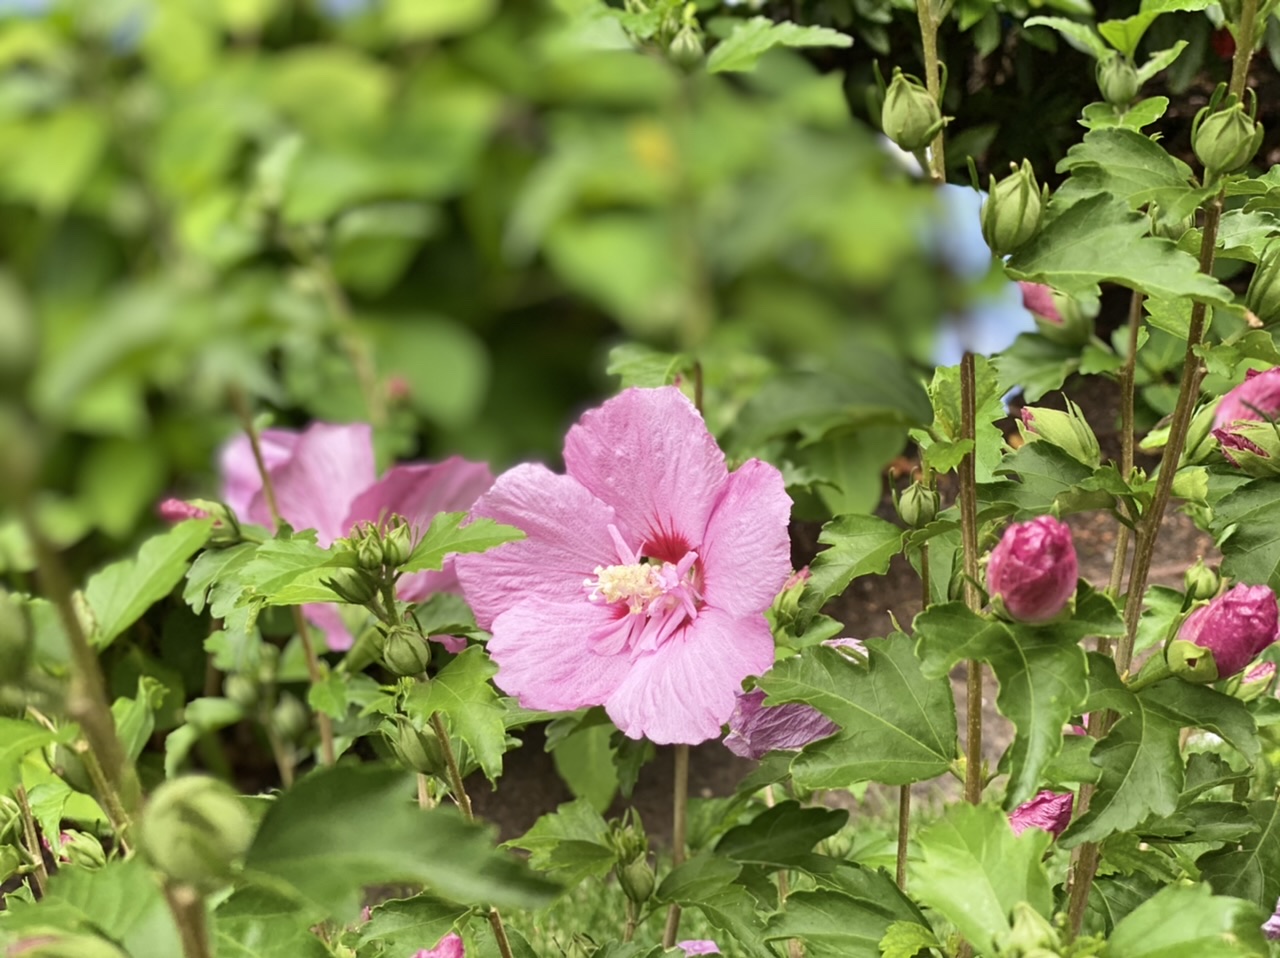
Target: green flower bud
1117, 80
1201, 582
195, 830
1263, 297
369, 553
83, 850
355, 586
637, 880
1225, 140
55, 943
397, 542
1191, 662
418, 748
918, 505
1030, 934
16, 644
405, 652
290, 718
686, 48
910, 115
1067, 430
1011, 213
242, 690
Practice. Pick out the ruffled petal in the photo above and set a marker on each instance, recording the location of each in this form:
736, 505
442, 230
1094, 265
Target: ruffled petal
420, 491
315, 487
647, 453
746, 551
241, 480
545, 657
567, 536
683, 691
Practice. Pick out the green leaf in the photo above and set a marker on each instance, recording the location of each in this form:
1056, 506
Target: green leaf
1074, 252
257, 924
199, 717
209, 567
781, 835
973, 869
906, 939
427, 19
344, 827
1128, 165
753, 38
1103, 116
636, 364
462, 692
584, 761
835, 925
570, 844
447, 536
120, 593
944, 395
402, 925
136, 717
699, 879
1246, 524
859, 545
897, 726
1160, 60
1079, 35
1043, 677
17, 738
1126, 34
291, 570
1185, 920
1251, 869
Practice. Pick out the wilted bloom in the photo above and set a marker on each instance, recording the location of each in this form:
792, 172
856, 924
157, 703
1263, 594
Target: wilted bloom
450, 946
1271, 927
1233, 629
1033, 569
1048, 810
699, 946
756, 729
324, 479
643, 579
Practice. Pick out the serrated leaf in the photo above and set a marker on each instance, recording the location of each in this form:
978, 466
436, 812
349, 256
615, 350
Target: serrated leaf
17, 738
374, 834
906, 939
1043, 677
1246, 524
329, 696
1074, 252
1126, 34
973, 869
290, 570
833, 925
463, 693
1185, 920
859, 545
897, 726
636, 364
781, 835
1250, 870
211, 565
751, 39
120, 593
1079, 35
403, 924
698, 880
1128, 165
570, 844
447, 535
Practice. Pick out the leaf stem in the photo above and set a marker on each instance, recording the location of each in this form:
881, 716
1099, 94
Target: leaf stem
30, 833
679, 832
323, 724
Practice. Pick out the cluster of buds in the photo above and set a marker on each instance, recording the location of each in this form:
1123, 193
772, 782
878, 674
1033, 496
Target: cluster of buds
910, 116
1032, 572
194, 831
1069, 431
379, 551
1225, 135
1012, 211
635, 874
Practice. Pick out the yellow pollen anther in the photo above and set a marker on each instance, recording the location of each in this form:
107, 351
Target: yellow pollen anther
634, 584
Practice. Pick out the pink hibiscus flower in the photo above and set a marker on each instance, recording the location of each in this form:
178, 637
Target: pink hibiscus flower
643, 580
324, 479
450, 946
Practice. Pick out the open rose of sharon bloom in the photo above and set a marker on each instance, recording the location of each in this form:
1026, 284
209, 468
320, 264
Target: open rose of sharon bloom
645, 574
325, 479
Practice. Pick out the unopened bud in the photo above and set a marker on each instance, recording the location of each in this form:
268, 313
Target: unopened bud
910, 116
1067, 430
1117, 80
1218, 640
397, 543
1225, 140
16, 644
1263, 297
1201, 582
686, 47
1012, 211
637, 880
405, 652
195, 830
83, 850
1256, 681
352, 585
369, 553
242, 690
53, 943
1032, 571
290, 718
918, 505
418, 748
1030, 935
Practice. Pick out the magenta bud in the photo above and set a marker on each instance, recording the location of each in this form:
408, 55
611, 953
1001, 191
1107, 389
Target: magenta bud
698, 946
1271, 927
756, 729
1032, 572
176, 510
1048, 810
1234, 629
1037, 298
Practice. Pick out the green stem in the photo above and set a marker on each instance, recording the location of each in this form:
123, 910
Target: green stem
929, 21
1245, 42
31, 835
188, 908
679, 831
969, 543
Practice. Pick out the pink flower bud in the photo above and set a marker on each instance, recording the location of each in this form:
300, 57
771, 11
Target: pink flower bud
699, 946
1271, 927
1033, 569
1234, 628
175, 511
1048, 810
1254, 399
1038, 299
755, 730
450, 946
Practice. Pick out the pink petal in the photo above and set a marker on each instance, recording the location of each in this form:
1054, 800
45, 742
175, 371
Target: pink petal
746, 551
330, 466
241, 480
687, 688
420, 491
450, 946
698, 946
543, 649
416, 586
567, 537
327, 619
648, 454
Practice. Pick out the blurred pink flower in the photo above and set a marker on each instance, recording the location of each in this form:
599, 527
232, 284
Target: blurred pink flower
450, 946
645, 574
175, 510
700, 946
1271, 927
324, 479
1038, 299
1048, 810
